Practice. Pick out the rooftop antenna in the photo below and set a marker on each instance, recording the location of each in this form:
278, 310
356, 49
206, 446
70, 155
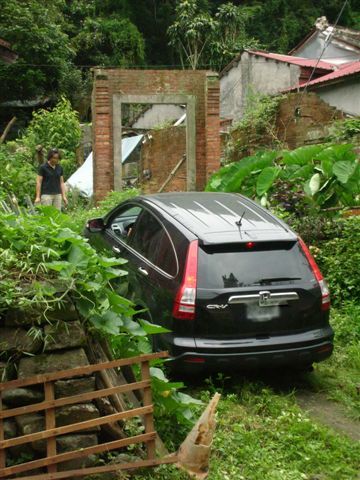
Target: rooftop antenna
239, 222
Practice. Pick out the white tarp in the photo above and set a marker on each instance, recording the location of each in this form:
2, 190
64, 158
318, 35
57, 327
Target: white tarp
82, 179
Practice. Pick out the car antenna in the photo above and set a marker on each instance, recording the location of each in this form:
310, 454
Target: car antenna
239, 222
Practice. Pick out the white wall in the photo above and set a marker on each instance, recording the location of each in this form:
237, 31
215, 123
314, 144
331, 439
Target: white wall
253, 74
157, 115
345, 96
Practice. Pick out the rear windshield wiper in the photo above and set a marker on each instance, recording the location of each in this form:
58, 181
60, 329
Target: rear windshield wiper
275, 279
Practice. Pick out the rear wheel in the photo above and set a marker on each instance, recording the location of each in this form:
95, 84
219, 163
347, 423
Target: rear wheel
307, 368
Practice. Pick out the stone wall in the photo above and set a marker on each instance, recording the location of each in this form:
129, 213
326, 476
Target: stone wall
202, 85
160, 153
32, 345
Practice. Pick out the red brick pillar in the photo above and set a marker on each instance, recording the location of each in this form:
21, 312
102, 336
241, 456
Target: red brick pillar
103, 169
212, 129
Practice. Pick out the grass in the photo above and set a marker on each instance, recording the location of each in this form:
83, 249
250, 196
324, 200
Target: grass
339, 377
263, 434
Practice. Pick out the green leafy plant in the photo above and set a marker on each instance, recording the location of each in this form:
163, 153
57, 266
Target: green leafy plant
323, 175
256, 128
17, 173
344, 130
197, 34
59, 128
339, 260
44, 263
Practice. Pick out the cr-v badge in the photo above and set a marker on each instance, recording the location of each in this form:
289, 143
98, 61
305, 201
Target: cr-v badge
217, 307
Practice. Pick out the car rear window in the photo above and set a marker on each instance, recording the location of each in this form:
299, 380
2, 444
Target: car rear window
239, 265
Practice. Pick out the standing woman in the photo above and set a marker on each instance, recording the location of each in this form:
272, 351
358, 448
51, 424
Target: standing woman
50, 186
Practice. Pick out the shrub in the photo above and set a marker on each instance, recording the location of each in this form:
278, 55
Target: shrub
56, 128
17, 174
256, 129
339, 260
344, 130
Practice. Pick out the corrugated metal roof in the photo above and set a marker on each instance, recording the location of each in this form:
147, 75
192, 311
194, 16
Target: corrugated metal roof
300, 61
344, 70
343, 34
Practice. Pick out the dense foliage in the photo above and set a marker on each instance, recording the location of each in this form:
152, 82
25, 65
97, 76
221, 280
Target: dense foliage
319, 176
339, 259
256, 130
58, 128
58, 41
205, 40
45, 56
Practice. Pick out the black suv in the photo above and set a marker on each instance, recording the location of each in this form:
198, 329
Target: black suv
234, 284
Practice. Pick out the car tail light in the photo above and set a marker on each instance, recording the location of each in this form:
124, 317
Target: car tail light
318, 275
184, 304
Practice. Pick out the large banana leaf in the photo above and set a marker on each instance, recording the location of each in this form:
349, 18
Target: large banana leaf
266, 179
302, 155
344, 170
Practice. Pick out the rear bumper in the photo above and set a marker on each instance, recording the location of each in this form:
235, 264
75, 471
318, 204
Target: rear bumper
288, 350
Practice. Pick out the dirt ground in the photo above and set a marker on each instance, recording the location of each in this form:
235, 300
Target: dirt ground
328, 413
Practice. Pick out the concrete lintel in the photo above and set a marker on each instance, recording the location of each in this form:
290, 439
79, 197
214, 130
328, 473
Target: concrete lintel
157, 98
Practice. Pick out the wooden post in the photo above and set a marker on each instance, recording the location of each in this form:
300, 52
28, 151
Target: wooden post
2, 450
149, 417
50, 423
7, 129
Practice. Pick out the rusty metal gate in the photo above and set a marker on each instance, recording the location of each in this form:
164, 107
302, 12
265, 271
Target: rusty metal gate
50, 433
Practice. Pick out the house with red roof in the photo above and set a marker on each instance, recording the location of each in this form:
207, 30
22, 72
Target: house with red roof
340, 88
256, 72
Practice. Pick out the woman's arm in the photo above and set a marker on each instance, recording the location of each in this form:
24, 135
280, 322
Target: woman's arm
39, 180
63, 190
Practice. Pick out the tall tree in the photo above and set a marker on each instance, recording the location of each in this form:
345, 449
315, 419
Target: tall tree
198, 34
191, 31
44, 65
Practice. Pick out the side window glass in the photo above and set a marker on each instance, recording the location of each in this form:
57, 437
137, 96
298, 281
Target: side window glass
151, 240
122, 223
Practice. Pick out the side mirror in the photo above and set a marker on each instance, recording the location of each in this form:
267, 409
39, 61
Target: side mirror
95, 225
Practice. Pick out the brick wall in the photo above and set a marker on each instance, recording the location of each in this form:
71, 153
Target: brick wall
203, 85
312, 112
160, 154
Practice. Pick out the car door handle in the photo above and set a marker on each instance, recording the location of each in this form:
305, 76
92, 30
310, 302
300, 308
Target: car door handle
143, 271
116, 249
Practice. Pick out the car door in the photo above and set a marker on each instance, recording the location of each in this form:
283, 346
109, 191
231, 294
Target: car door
116, 238
154, 265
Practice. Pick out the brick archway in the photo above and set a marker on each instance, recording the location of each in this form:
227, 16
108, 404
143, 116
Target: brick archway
199, 90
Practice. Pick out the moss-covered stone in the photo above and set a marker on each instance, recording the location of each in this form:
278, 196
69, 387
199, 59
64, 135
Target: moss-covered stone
52, 362
74, 386
19, 397
19, 340
64, 335
77, 413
